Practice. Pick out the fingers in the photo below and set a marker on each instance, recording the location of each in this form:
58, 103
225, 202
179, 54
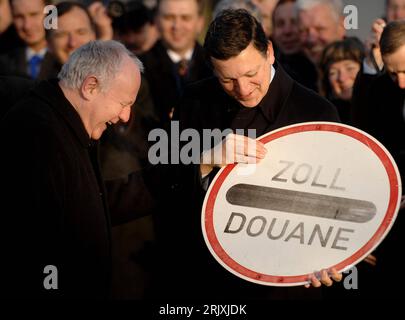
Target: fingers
248, 147
235, 149
336, 276
324, 278
377, 29
371, 259
95, 8
241, 149
314, 282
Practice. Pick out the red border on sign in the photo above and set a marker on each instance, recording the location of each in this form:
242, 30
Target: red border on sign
381, 231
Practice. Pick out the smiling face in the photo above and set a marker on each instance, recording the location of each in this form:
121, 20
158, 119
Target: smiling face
285, 29
341, 76
74, 30
179, 24
318, 27
115, 103
28, 19
246, 77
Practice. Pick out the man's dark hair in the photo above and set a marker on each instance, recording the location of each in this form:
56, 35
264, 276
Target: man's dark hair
393, 37
231, 32
67, 6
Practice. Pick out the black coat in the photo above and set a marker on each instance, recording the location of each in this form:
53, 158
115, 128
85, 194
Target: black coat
52, 203
161, 75
206, 106
9, 40
12, 89
378, 106
14, 63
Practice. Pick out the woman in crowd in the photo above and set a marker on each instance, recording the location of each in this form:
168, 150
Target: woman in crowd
341, 61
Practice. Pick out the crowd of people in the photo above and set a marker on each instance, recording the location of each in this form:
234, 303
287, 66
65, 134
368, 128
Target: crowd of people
80, 100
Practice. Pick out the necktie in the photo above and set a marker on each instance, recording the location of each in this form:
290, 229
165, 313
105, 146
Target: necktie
34, 64
182, 67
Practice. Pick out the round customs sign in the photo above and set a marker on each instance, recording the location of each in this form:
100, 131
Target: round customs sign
325, 196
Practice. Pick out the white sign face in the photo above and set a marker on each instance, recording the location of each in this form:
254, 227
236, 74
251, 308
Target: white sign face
325, 196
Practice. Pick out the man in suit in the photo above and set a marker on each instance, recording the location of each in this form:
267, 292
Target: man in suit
249, 92
56, 217
75, 28
28, 19
177, 59
379, 109
379, 100
320, 22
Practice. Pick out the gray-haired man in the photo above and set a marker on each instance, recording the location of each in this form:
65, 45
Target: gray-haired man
56, 235
320, 22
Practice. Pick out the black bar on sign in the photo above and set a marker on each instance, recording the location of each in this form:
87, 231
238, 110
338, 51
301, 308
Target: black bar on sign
305, 203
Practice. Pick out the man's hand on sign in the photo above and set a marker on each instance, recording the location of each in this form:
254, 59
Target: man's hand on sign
371, 259
325, 278
233, 149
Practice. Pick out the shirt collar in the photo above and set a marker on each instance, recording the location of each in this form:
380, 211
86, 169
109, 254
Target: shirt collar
273, 73
175, 57
29, 53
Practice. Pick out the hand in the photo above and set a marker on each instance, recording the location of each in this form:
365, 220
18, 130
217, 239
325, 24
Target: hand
371, 259
102, 21
233, 149
325, 278
374, 42
376, 31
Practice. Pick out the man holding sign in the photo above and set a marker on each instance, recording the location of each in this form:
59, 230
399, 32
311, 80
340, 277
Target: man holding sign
250, 91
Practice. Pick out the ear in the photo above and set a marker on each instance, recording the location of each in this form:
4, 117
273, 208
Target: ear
270, 52
90, 87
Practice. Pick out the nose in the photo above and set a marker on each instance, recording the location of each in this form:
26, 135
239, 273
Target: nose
401, 80
242, 87
72, 41
342, 77
175, 23
27, 24
125, 114
287, 29
312, 36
